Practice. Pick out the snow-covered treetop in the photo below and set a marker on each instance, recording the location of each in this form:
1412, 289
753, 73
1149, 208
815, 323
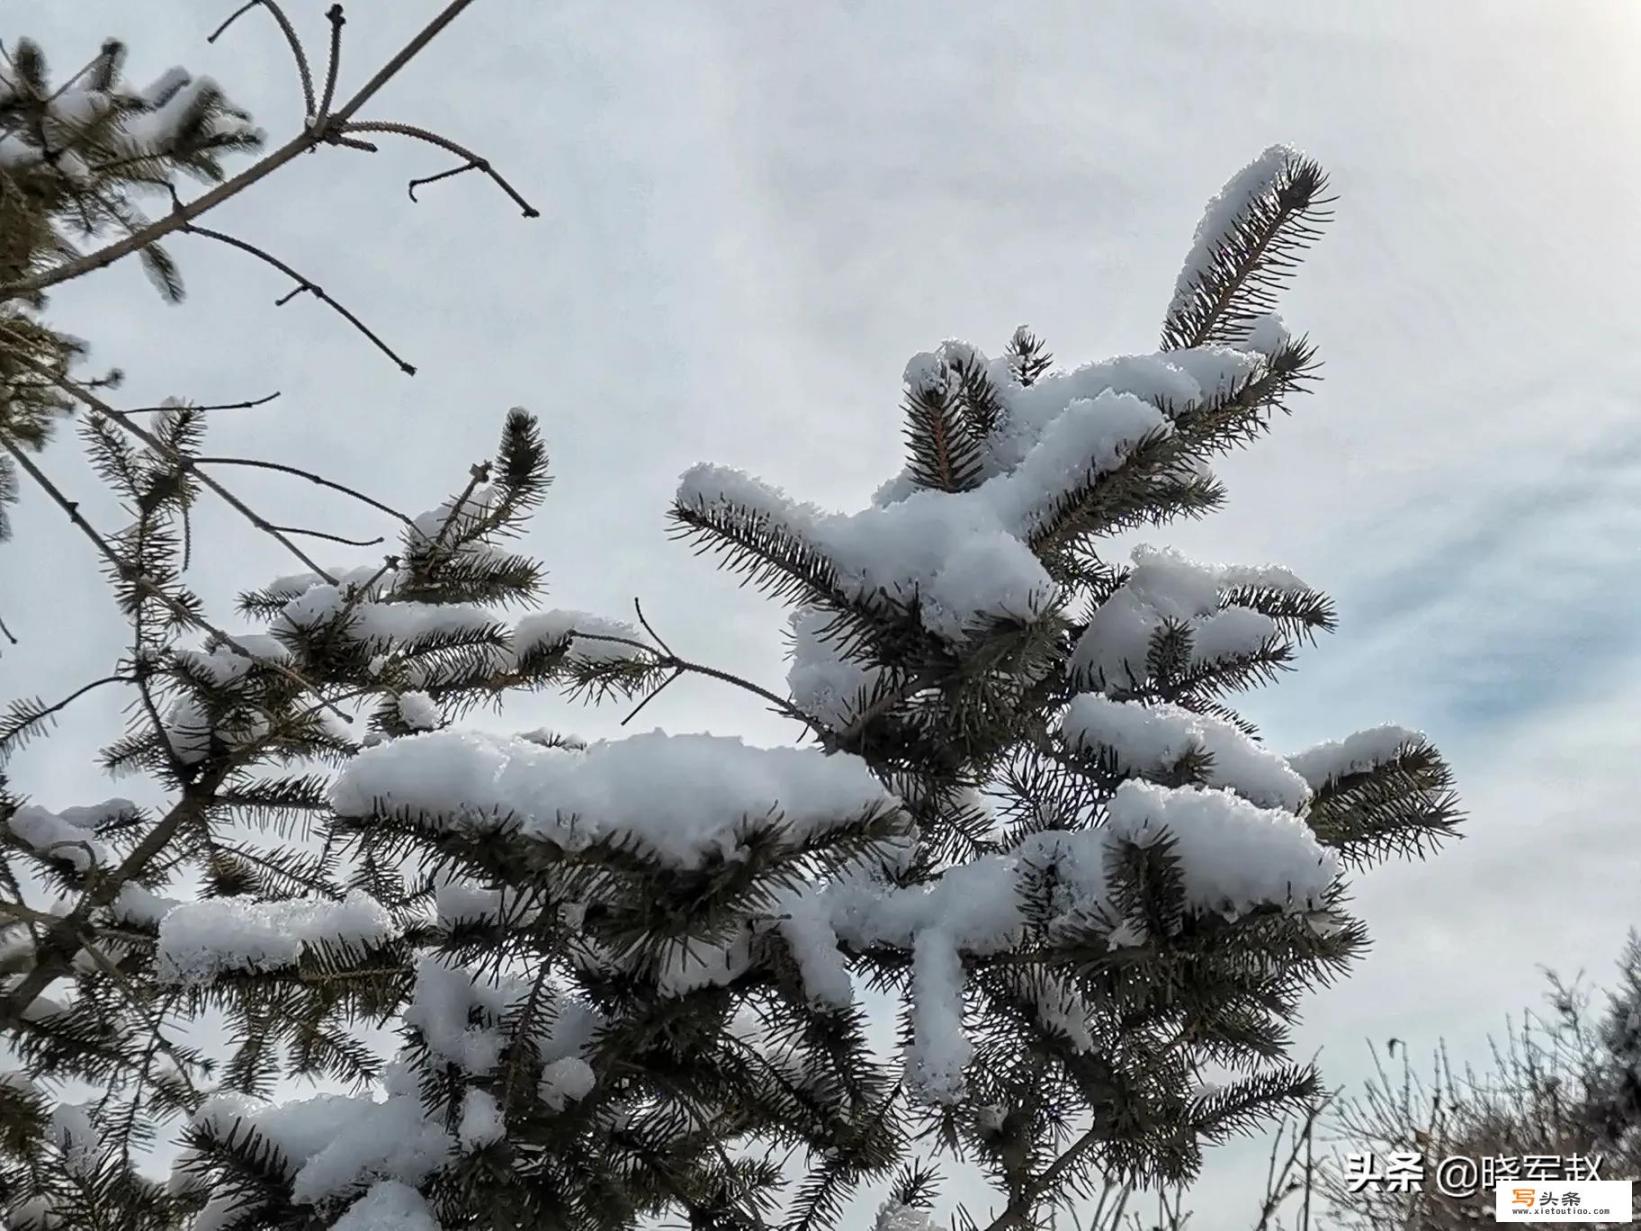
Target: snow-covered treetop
1023, 806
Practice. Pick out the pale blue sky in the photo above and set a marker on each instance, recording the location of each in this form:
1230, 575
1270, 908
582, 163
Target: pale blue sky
753, 214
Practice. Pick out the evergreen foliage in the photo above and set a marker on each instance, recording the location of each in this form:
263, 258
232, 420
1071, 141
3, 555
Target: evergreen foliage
570, 985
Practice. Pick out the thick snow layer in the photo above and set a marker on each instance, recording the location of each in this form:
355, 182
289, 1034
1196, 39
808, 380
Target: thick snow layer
389, 626
1233, 855
1220, 216
807, 929
223, 666
823, 683
552, 628
200, 940
952, 553
458, 1014
334, 1145
1150, 739
681, 796
1164, 587
68, 835
566, 1080
418, 711
894, 1216
1355, 754
965, 555
940, 1049
388, 1206
481, 1123
144, 907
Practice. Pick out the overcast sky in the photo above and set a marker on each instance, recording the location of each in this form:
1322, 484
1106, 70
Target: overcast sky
753, 214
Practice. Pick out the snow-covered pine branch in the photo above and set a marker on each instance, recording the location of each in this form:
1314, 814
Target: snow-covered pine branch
606, 981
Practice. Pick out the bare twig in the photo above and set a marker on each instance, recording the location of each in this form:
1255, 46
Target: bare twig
6, 632
414, 184
302, 284
659, 640
478, 472
183, 462
656, 692
299, 144
337, 21
780, 704
246, 405
290, 37
406, 53
334, 486
76, 695
334, 538
473, 161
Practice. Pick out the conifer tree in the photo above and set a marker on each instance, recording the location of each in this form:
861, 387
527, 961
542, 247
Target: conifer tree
581, 985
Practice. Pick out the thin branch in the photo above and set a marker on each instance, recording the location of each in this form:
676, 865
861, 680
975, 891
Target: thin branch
781, 705
6, 632
414, 184
337, 21
290, 37
77, 694
386, 73
659, 640
334, 486
659, 689
303, 284
142, 582
478, 472
334, 538
474, 161
155, 1024
183, 462
299, 144
247, 405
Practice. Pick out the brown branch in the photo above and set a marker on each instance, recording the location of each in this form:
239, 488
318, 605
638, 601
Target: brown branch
282, 468
414, 184
182, 461
781, 705
334, 14
247, 405
290, 37
474, 161
299, 144
659, 639
156, 1024
302, 284
852, 733
406, 53
334, 538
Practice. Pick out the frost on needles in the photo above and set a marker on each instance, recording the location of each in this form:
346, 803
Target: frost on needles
553, 983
